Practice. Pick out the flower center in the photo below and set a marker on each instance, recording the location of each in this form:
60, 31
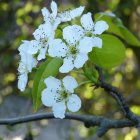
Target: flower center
43, 40
73, 50
89, 34
63, 95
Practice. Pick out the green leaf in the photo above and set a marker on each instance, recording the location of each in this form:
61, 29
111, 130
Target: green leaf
110, 55
129, 37
90, 72
117, 27
58, 33
48, 68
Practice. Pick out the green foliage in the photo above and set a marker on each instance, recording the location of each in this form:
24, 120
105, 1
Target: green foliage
129, 37
48, 68
110, 55
91, 73
117, 27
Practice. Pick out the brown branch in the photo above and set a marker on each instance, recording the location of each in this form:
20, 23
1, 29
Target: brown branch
117, 95
103, 123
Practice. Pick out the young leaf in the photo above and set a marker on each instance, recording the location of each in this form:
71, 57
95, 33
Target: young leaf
129, 37
48, 68
110, 55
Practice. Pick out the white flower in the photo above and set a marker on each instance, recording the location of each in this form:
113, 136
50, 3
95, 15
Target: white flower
92, 29
75, 50
27, 63
43, 35
59, 95
56, 18
96, 29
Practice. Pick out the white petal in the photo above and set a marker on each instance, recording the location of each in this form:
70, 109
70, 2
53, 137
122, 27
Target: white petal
69, 83
97, 42
100, 27
48, 97
44, 31
87, 22
28, 61
52, 83
64, 16
31, 62
59, 110
57, 48
86, 45
34, 47
54, 9
57, 21
71, 14
67, 65
74, 103
77, 12
42, 54
22, 68
72, 34
23, 48
22, 81
45, 13
80, 60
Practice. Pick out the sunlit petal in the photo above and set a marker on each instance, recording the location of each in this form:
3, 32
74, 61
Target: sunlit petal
80, 60
97, 42
52, 83
45, 13
87, 22
72, 34
43, 32
74, 103
34, 47
57, 48
100, 27
48, 97
59, 109
54, 9
42, 54
22, 81
67, 65
71, 14
85, 45
69, 83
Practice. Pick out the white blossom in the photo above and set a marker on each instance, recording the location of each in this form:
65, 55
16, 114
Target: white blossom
43, 35
96, 29
27, 63
93, 29
60, 95
75, 50
56, 18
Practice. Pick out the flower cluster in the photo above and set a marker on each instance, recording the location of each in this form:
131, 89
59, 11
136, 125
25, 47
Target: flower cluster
76, 42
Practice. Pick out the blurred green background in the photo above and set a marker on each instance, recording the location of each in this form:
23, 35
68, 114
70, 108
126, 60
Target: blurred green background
18, 20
